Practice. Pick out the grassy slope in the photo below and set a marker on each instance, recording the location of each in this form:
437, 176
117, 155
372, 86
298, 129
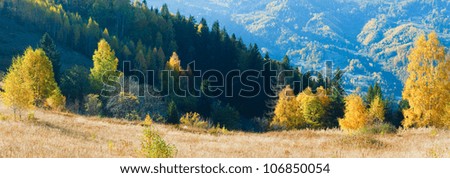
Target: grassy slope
15, 38
67, 135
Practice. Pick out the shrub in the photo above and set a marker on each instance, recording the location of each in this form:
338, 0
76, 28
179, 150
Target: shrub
217, 130
152, 104
148, 121
133, 116
363, 141
225, 115
261, 124
74, 107
153, 146
31, 117
193, 119
122, 105
160, 119
379, 128
3, 117
93, 105
149, 101
56, 101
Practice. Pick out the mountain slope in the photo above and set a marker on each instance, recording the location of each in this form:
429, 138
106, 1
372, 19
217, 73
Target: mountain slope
378, 34
15, 38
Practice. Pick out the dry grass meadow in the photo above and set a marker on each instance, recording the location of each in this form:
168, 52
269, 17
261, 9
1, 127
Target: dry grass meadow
67, 136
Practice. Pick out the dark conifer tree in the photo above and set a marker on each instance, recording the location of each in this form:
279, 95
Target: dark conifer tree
49, 47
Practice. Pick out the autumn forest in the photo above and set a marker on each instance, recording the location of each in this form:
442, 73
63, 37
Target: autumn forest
155, 68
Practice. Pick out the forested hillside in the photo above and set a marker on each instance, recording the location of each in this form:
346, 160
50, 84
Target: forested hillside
371, 38
146, 37
15, 37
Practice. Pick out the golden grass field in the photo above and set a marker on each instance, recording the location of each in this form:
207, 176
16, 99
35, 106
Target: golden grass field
65, 135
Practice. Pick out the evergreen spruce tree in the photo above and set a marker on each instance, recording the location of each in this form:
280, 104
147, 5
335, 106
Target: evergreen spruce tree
49, 47
172, 113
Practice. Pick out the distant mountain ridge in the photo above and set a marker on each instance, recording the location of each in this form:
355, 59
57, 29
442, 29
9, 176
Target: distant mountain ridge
371, 39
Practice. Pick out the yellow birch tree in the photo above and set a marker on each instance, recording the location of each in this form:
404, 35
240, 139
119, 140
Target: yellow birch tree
30, 82
428, 85
16, 95
376, 110
38, 74
285, 109
355, 113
